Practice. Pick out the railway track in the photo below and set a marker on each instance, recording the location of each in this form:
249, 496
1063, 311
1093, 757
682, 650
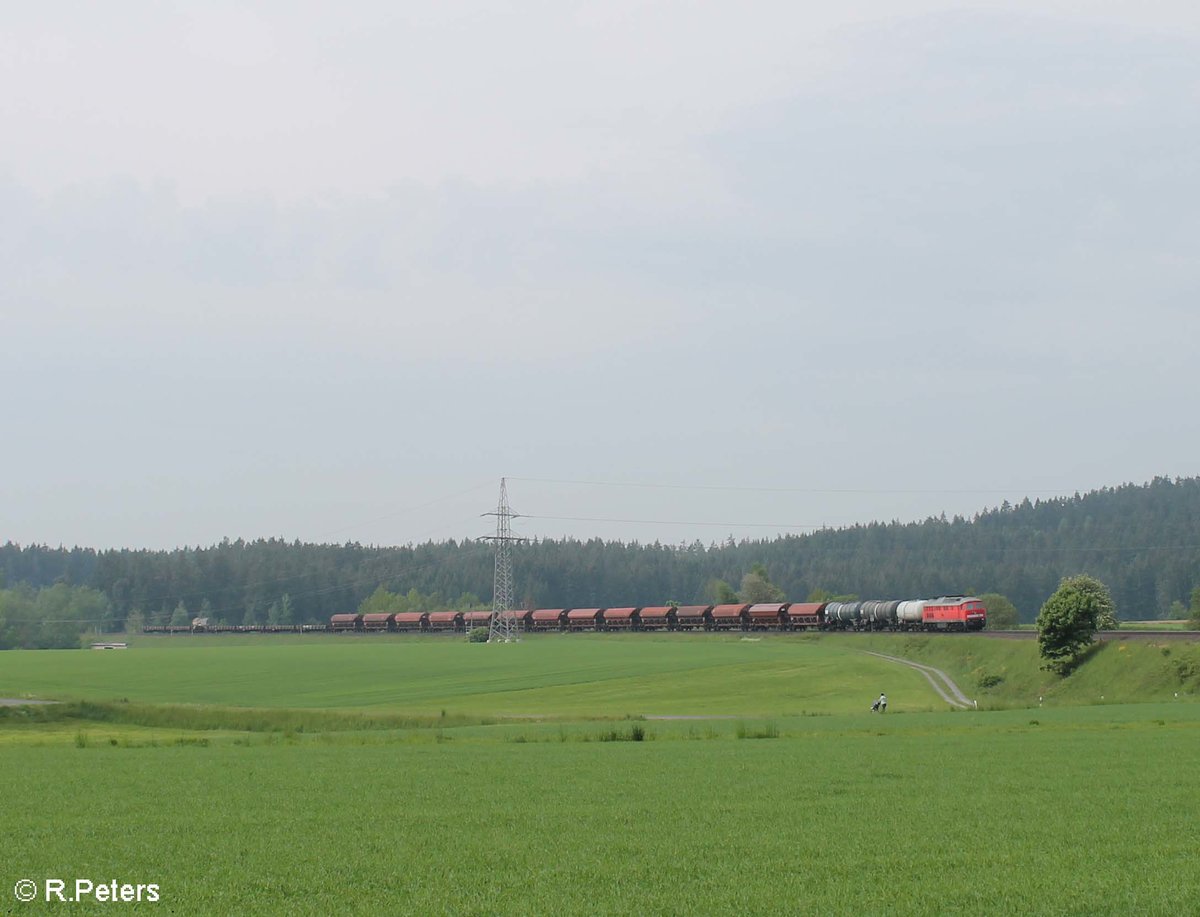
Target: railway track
1110, 635
1193, 635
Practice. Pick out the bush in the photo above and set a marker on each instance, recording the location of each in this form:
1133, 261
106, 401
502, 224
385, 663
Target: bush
478, 635
637, 733
989, 680
1001, 613
769, 731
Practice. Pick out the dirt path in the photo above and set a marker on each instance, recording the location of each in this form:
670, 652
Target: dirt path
942, 683
23, 702
714, 716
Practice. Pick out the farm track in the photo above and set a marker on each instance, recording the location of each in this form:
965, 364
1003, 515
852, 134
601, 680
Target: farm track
946, 689
24, 702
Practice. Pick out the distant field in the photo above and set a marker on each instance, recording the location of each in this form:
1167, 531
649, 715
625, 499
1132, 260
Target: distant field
408, 776
594, 675
553, 675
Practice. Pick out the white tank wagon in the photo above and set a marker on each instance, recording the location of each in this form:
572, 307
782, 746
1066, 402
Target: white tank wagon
910, 615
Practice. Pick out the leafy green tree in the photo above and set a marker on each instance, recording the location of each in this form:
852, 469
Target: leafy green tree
1001, 613
206, 611
281, 612
758, 588
180, 616
1067, 622
824, 595
380, 602
1107, 618
51, 618
17, 611
252, 616
720, 592
1194, 617
5, 638
135, 621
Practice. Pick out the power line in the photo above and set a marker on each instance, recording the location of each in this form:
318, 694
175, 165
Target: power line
764, 525
375, 578
867, 549
407, 509
786, 490
275, 581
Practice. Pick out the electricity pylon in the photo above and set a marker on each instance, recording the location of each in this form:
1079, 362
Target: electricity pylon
503, 626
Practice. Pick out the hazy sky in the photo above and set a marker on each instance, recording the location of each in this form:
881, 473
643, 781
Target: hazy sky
329, 271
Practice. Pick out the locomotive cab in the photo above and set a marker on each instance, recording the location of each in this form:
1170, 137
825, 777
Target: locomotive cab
976, 614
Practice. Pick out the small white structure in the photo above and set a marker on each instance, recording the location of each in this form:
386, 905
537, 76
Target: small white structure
110, 646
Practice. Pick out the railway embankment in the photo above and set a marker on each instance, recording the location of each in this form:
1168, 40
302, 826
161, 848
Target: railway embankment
1008, 673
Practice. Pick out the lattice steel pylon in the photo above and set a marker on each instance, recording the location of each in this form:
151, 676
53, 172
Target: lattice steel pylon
503, 626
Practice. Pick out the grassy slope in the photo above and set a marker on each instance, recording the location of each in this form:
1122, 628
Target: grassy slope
1114, 671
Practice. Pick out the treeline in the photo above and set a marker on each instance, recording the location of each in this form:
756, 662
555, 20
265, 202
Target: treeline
1141, 540
382, 601
53, 617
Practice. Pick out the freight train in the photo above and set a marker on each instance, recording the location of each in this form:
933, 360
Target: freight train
947, 613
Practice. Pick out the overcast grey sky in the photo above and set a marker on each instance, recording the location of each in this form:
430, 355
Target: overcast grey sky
328, 271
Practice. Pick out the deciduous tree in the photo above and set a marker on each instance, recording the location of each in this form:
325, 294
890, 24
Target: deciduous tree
1001, 613
720, 592
287, 613
180, 616
1067, 622
252, 616
757, 587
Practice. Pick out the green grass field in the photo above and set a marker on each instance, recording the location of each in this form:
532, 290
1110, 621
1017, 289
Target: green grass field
414, 777
554, 675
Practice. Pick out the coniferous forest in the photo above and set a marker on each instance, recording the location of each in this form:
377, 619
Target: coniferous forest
1141, 540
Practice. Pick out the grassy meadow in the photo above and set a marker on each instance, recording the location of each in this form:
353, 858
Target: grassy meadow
409, 776
562, 675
